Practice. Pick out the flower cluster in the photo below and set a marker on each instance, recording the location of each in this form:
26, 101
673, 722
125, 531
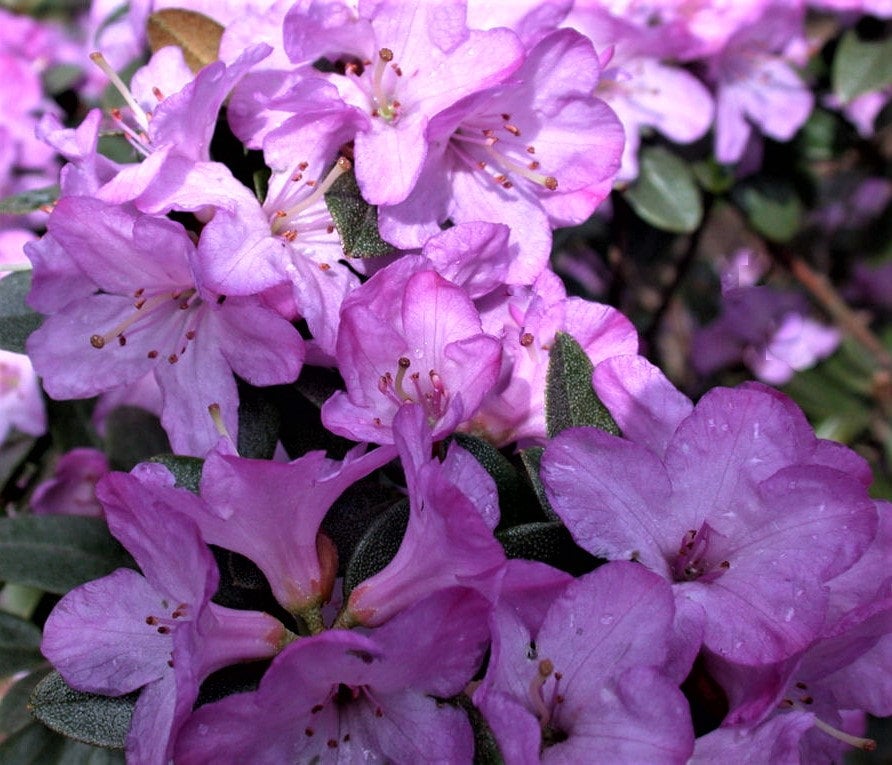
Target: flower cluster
353, 205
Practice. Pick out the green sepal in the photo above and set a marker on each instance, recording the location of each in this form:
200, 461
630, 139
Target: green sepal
355, 219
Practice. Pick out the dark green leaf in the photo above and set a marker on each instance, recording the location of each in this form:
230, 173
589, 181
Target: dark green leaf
57, 552
258, 422
133, 435
71, 424
17, 321
377, 548
36, 744
516, 504
13, 452
355, 219
772, 207
87, 717
860, 66
349, 518
14, 712
532, 461
548, 542
186, 470
665, 193
486, 749
19, 645
28, 201
713, 176
570, 399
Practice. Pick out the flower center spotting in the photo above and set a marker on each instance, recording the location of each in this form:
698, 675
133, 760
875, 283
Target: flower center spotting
413, 387
801, 698
696, 559
166, 620
146, 306
494, 145
297, 211
378, 81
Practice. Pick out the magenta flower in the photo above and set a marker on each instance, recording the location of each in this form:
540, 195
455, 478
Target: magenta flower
344, 697
428, 349
589, 678
149, 314
738, 511
157, 630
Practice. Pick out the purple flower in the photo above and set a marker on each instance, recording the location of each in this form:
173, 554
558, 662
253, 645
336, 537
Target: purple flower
271, 513
735, 507
428, 348
149, 314
589, 678
157, 630
344, 697
527, 320
404, 64
535, 153
453, 509
72, 489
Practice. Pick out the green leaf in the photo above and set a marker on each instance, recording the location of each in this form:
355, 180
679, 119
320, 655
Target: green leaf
19, 645
355, 219
186, 470
860, 66
772, 207
258, 422
13, 452
570, 399
548, 542
516, 504
57, 552
17, 320
28, 201
133, 435
197, 35
532, 461
377, 548
37, 745
61, 77
14, 712
665, 193
87, 717
486, 748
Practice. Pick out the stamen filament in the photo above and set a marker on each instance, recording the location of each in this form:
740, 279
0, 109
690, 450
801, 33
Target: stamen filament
138, 112
548, 181
543, 713
282, 216
143, 308
864, 744
403, 366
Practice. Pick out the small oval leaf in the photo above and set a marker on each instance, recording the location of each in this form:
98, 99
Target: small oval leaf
17, 320
666, 194
57, 552
377, 548
19, 645
355, 219
860, 66
197, 35
570, 399
87, 717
